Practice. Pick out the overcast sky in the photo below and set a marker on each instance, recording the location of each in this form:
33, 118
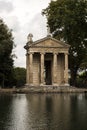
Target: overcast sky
24, 17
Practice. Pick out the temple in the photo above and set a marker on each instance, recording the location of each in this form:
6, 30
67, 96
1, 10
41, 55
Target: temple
46, 62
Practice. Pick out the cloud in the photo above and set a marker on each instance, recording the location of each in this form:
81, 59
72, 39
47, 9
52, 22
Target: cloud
21, 58
24, 17
13, 23
6, 6
37, 26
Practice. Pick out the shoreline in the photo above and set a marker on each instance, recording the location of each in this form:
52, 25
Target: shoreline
27, 90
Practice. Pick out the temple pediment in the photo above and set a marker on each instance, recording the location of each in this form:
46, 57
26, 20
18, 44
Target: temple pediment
49, 42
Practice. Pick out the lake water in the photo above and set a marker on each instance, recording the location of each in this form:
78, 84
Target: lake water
43, 112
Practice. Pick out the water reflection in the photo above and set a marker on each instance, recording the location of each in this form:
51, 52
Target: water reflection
53, 111
43, 112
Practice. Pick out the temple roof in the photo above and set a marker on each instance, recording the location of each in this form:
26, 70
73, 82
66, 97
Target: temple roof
47, 42
50, 39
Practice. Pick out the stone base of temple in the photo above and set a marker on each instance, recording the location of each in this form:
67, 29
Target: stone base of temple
42, 87
43, 90
52, 89
66, 84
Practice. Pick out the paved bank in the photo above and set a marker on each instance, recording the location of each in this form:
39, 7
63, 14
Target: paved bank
44, 90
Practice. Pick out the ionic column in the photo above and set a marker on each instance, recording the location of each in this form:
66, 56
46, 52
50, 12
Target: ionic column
55, 69
66, 69
27, 69
42, 68
31, 69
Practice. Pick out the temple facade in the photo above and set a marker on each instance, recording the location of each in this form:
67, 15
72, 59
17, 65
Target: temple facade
46, 62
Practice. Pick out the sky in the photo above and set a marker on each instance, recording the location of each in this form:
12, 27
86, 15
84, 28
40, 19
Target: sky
24, 17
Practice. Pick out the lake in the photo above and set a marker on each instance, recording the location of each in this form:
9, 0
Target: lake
43, 112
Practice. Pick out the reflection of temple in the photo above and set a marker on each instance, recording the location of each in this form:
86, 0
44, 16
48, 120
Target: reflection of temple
46, 62
50, 111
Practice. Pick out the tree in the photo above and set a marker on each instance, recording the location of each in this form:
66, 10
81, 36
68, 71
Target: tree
19, 76
67, 20
6, 57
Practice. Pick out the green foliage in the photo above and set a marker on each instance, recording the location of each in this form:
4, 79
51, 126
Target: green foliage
6, 59
67, 20
19, 76
82, 80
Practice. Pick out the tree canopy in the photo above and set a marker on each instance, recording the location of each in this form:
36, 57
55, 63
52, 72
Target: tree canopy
6, 57
19, 76
67, 20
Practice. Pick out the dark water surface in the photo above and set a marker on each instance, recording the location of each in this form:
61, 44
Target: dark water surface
43, 112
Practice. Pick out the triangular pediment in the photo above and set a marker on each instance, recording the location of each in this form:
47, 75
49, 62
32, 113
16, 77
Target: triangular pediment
49, 42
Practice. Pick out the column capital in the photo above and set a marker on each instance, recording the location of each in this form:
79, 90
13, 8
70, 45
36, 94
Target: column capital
42, 53
31, 53
27, 54
66, 53
55, 53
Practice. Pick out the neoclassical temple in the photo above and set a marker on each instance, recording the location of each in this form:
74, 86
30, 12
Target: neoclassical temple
46, 62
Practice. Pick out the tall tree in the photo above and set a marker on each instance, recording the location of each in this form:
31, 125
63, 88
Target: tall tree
19, 76
67, 20
6, 58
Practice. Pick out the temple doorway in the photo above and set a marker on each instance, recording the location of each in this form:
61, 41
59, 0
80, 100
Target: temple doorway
48, 70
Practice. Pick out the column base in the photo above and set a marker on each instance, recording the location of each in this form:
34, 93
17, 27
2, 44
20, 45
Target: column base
26, 85
42, 84
66, 84
55, 84
29, 85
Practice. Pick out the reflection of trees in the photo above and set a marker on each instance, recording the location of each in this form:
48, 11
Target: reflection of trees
78, 113
85, 96
5, 107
